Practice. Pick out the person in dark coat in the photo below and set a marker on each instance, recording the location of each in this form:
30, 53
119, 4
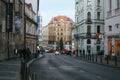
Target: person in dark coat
28, 52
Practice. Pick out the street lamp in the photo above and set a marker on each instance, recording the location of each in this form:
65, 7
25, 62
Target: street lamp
24, 27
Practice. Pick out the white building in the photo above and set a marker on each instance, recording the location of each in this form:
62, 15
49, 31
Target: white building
45, 36
89, 18
112, 26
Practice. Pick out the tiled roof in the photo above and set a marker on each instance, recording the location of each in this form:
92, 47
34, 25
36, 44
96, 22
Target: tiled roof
58, 18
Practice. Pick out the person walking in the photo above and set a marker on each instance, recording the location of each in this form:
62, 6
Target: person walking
28, 52
15, 53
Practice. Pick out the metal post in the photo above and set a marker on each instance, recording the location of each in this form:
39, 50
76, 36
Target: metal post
24, 26
8, 31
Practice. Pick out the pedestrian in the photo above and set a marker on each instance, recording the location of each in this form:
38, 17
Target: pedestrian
28, 52
37, 53
15, 53
20, 53
24, 54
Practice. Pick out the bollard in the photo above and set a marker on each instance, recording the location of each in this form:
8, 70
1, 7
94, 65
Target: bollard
34, 77
107, 59
96, 57
93, 57
101, 58
115, 60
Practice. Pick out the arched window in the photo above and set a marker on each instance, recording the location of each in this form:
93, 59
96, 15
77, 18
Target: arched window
89, 16
98, 3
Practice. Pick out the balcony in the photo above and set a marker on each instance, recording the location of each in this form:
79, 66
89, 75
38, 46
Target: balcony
76, 36
117, 11
109, 14
88, 21
85, 35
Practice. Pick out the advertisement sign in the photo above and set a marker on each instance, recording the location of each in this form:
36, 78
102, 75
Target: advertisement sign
17, 22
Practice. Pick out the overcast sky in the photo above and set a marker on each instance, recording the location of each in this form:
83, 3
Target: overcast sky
52, 8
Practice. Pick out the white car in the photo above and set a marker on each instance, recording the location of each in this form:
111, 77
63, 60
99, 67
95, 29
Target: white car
46, 50
57, 53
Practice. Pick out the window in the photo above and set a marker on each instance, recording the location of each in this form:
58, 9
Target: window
88, 2
117, 26
110, 28
89, 16
88, 41
110, 5
98, 29
89, 29
68, 29
98, 3
98, 15
118, 4
20, 9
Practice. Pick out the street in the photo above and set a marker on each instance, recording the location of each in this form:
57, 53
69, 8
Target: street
64, 67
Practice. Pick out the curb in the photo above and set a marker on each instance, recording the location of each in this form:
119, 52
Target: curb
101, 63
34, 59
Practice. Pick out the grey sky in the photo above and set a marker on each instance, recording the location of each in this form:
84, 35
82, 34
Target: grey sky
51, 8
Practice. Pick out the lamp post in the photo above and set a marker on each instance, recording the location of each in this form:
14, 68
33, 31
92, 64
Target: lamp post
24, 26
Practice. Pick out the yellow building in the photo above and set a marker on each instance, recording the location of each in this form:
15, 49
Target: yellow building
60, 27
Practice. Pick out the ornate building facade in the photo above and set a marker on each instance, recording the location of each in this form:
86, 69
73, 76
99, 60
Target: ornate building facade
13, 27
89, 19
45, 37
60, 28
11, 30
31, 27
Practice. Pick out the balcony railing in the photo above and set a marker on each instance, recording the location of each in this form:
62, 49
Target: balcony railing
109, 14
117, 11
85, 35
88, 21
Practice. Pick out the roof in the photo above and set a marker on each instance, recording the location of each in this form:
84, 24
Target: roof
58, 18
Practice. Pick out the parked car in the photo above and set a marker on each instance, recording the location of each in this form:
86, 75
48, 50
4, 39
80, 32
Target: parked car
64, 51
46, 50
57, 52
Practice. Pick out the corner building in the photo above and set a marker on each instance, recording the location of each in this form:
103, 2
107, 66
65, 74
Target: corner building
60, 27
89, 19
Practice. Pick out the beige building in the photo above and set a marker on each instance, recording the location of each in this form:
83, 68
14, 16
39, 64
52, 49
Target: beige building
45, 37
31, 27
60, 28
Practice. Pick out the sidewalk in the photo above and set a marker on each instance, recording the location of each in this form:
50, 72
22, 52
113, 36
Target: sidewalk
103, 61
10, 69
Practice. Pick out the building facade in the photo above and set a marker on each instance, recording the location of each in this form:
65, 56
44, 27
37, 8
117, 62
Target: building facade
13, 22
11, 30
60, 27
89, 19
31, 27
45, 37
112, 27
